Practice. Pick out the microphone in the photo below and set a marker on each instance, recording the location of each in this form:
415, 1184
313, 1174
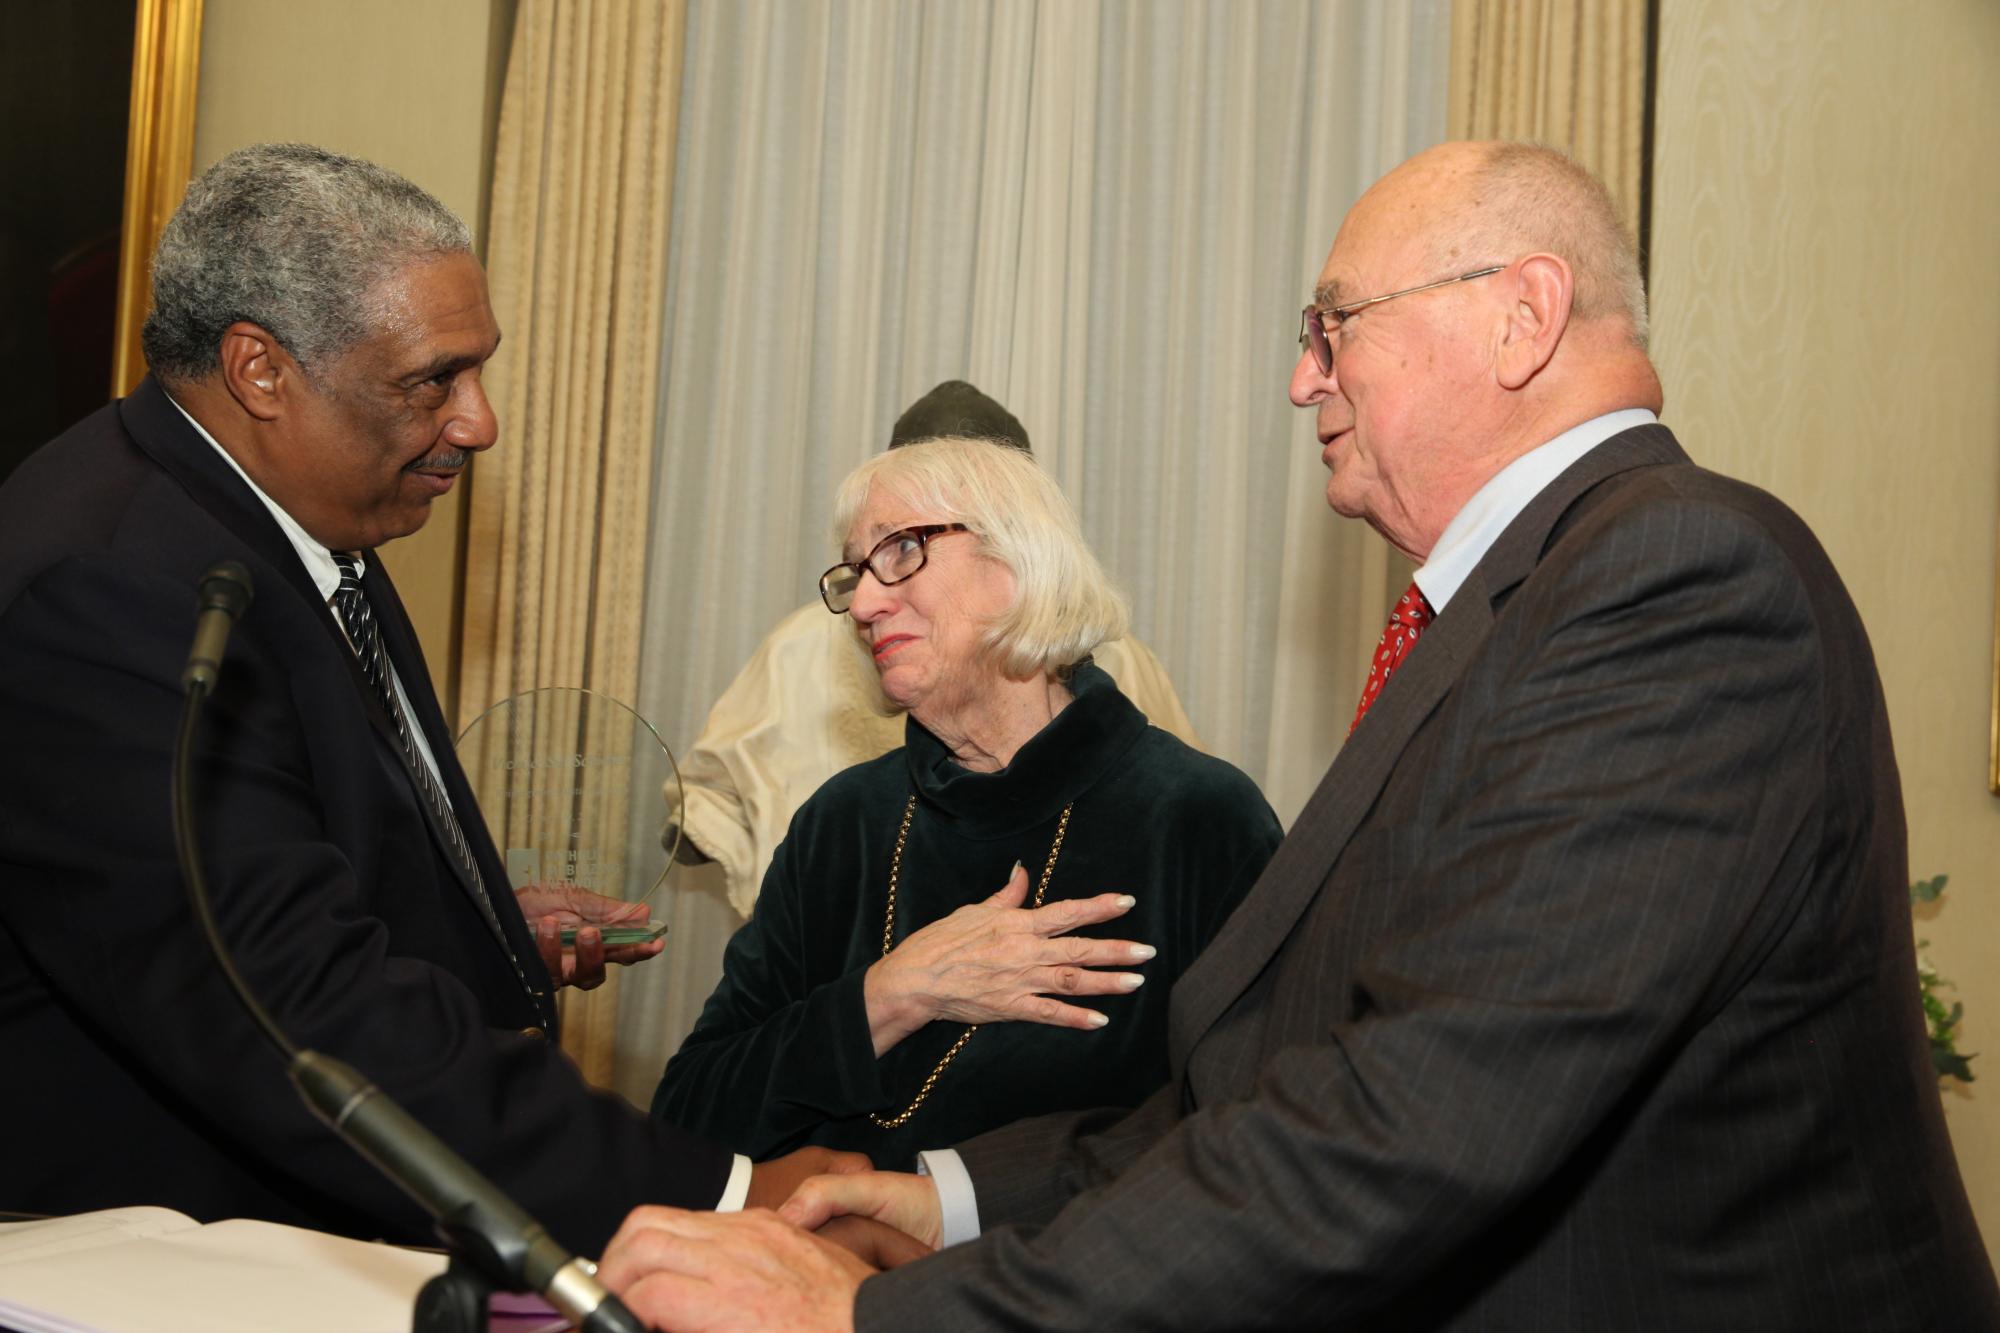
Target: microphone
475, 1218
223, 595
498, 1242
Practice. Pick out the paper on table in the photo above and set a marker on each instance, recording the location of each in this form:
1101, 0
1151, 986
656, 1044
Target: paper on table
21, 1241
149, 1270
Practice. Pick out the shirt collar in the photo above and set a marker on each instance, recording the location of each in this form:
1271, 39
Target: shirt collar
1474, 529
317, 559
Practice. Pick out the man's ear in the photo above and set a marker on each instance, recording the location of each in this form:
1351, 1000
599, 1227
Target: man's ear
257, 370
1543, 289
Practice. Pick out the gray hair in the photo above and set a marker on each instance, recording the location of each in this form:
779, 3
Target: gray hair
1529, 196
1065, 605
292, 238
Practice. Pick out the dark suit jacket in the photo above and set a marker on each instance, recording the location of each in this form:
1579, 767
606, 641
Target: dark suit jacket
133, 1076
1581, 996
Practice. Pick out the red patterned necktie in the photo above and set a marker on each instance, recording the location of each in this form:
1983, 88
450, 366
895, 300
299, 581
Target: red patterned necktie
1406, 625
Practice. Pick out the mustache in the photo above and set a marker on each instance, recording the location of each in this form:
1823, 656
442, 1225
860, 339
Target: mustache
444, 460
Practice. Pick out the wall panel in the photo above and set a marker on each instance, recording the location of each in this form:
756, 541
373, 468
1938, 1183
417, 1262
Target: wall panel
1826, 313
414, 87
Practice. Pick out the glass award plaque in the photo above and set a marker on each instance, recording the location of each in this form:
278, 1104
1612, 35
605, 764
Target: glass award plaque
577, 789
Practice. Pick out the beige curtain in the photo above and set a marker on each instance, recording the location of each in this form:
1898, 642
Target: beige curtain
556, 537
1571, 73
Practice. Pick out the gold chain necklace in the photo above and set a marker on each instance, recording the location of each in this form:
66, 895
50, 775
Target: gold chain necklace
888, 943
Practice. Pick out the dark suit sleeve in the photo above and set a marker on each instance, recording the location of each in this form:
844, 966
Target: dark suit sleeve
90, 655
1628, 815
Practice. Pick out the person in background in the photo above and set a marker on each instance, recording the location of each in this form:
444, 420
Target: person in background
883, 995
804, 706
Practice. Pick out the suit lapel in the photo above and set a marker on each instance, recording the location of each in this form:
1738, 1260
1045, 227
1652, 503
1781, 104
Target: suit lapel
1296, 874
165, 436
159, 429
1517, 551
399, 640
1361, 769
507, 927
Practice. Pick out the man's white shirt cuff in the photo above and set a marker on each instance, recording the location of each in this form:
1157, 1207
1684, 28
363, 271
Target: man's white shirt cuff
738, 1188
958, 1206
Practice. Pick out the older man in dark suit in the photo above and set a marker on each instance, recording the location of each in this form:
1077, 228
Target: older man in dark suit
1582, 995
318, 332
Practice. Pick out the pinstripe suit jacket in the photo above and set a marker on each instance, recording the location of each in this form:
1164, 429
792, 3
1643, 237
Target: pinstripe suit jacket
1581, 996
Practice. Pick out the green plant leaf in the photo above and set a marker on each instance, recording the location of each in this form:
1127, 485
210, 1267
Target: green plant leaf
1942, 1022
1950, 1064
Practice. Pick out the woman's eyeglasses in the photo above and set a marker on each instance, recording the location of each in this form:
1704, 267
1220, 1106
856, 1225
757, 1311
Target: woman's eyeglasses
895, 558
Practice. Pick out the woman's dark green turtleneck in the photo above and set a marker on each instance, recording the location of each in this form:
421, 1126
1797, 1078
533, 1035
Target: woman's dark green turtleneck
782, 1057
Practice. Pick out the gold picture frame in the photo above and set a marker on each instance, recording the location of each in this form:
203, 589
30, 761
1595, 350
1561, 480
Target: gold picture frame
1993, 740
159, 155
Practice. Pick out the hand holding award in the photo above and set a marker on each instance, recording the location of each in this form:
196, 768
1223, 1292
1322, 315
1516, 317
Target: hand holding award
569, 781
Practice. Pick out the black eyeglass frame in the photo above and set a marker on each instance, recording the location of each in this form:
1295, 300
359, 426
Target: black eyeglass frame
923, 532
1312, 320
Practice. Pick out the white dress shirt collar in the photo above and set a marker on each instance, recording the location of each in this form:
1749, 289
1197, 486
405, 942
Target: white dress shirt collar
315, 557
1474, 529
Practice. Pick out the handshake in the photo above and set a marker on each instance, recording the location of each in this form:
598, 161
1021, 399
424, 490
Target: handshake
816, 1223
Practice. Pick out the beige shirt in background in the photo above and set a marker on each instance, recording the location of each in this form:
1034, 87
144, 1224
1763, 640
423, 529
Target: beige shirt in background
802, 709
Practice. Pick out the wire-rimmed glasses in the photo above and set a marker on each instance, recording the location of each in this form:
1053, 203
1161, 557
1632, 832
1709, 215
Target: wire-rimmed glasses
1313, 336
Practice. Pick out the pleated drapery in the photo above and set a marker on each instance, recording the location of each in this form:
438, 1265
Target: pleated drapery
557, 527
1570, 73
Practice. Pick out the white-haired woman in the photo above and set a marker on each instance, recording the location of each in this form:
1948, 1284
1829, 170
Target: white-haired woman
883, 996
